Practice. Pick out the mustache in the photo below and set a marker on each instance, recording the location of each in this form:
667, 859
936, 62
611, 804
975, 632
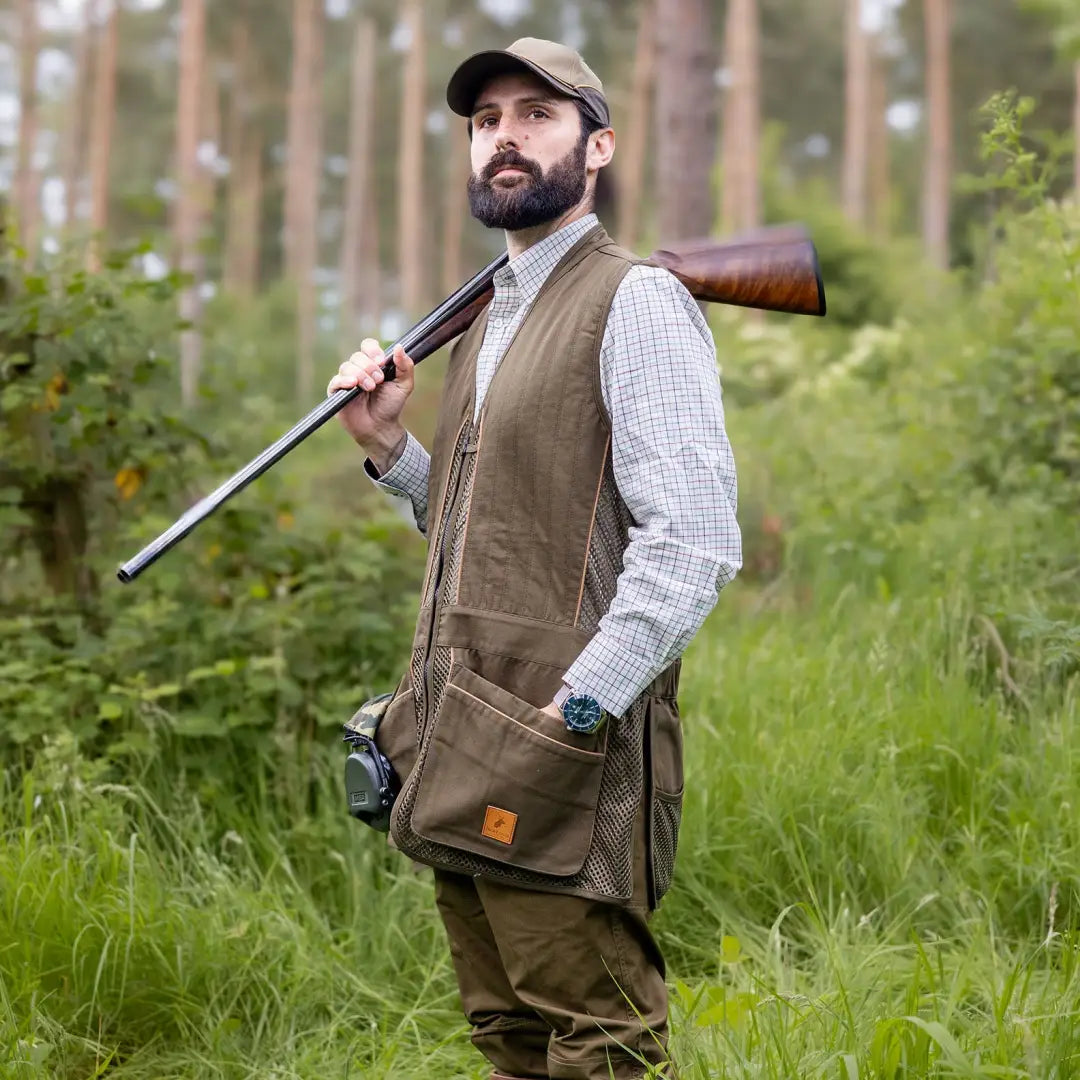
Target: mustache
510, 158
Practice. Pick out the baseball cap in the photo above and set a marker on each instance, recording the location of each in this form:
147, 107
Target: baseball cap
559, 66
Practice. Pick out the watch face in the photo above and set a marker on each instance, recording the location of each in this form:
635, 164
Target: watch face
582, 714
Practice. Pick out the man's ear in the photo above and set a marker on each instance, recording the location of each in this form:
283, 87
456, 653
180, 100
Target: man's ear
601, 148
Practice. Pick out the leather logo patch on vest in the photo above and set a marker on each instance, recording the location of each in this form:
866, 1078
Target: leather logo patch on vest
499, 825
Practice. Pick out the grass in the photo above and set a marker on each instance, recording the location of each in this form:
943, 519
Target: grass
876, 878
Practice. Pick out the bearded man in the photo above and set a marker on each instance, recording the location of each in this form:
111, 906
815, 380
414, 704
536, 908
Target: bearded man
579, 502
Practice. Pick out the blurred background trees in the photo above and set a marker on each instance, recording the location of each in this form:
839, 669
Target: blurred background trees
302, 148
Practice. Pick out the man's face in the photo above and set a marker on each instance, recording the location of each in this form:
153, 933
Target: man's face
530, 160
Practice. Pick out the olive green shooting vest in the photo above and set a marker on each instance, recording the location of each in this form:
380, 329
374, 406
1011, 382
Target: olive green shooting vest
527, 536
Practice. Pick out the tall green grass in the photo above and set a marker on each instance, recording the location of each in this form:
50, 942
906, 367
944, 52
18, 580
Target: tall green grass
877, 878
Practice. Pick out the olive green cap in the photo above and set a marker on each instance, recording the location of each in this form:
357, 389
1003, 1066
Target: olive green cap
559, 66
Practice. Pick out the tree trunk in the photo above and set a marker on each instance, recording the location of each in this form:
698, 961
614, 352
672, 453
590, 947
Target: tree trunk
355, 305
856, 115
455, 207
61, 536
878, 143
741, 164
729, 134
1076, 130
26, 182
299, 132
638, 117
101, 129
244, 147
188, 212
74, 147
304, 169
749, 80
248, 247
411, 164
371, 278
937, 167
686, 118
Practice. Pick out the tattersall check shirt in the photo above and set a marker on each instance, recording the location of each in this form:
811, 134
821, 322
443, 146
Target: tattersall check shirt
672, 462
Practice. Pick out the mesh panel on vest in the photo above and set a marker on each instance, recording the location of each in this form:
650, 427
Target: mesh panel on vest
457, 542
604, 563
440, 664
448, 496
667, 814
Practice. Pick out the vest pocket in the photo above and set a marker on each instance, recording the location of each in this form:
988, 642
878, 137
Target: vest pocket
500, 780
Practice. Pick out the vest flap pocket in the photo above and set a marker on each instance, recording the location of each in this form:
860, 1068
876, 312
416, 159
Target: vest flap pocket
499, 785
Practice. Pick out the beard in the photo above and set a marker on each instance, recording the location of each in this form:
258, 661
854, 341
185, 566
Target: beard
531, 202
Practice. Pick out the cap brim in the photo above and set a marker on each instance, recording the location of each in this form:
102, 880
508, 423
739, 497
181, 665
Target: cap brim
471, 74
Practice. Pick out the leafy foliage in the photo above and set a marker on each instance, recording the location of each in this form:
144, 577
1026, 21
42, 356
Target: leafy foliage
268, 625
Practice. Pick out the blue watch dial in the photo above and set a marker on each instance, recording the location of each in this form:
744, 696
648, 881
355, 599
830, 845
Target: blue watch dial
582, 714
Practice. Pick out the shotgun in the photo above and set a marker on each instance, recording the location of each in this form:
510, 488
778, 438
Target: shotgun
774, 269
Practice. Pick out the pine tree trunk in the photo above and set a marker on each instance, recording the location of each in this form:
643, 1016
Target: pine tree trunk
26, 182
411, 164
301, 102
101, 129
305, 170
856, 115
750, 113
637, 126
938, 167
455, 207
1076, 130
74, 146
188, 212
371, 278
878, 144
730, 183
686, 118
250, 213
355, 306
741, 166
242, 135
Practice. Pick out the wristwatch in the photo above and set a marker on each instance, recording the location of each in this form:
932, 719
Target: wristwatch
581, 713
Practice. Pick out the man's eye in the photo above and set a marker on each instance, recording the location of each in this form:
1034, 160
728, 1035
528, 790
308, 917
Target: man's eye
538, 112
487, 121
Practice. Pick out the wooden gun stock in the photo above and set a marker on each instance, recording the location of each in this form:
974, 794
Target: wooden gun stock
775, 269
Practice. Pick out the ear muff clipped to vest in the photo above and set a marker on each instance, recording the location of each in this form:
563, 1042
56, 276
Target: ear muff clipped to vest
371, 785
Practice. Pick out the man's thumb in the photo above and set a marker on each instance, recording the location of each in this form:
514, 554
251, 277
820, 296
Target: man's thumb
404, 366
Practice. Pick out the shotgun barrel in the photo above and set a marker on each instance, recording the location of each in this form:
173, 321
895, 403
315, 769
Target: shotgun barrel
774, 268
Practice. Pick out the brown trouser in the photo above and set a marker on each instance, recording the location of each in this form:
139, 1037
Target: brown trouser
554, 985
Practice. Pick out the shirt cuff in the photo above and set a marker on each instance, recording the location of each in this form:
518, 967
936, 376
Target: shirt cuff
408, 475
607, 673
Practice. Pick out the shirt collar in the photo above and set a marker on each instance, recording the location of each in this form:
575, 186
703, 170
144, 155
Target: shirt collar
533, 266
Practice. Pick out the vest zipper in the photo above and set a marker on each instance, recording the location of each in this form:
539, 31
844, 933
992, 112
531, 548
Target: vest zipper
472, 444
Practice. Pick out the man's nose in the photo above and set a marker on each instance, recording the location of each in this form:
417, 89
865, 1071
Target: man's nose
506, 137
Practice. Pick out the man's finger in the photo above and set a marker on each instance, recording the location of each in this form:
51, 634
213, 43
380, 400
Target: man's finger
369, 347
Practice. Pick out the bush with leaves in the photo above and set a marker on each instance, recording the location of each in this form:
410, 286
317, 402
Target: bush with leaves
261, 631
83, 381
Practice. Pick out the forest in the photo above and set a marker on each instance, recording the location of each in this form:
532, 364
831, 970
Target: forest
206, 205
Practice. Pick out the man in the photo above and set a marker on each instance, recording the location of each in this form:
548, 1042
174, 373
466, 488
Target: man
580, 507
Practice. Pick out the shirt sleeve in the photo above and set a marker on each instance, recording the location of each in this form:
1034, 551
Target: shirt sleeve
408, 478
675, 471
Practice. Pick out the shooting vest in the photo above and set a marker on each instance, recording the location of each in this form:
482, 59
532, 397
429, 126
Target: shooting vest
526, 543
